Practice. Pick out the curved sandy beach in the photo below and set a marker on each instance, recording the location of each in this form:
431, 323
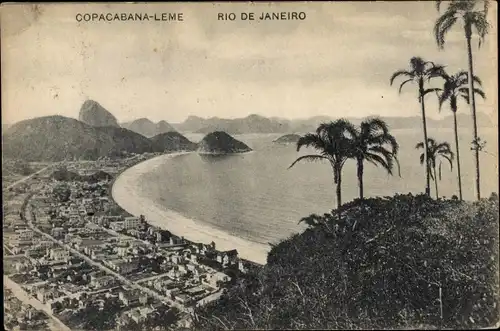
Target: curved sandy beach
126, 193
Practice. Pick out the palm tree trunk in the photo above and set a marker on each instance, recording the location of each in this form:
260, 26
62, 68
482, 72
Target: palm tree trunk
458, 154
360, 178
472, 103
339, 189
426, 145
436, 183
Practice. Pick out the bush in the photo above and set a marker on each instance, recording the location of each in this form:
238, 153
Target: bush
402, 262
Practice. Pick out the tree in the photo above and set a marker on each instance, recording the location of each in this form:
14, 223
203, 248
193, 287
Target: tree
62, 192
333, 141
373, 143
453, 89
420, 71
435, 151
472, 16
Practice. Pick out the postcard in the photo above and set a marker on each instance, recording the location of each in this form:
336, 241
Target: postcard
250, 165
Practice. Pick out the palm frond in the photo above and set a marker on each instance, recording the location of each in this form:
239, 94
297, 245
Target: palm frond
438, 5
422, 158
464, 93
432, 90
403, 84
479, 21
443, 24
377, 160
450, 160
400, 73
311, 140
310, 158
445, 95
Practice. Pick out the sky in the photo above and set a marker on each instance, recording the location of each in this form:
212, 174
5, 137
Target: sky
337, 62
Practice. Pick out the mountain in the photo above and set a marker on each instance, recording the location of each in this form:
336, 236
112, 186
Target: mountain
287, 139
260, 124
163, 126
172, 141
220, 142
94, 114
147, 127
56, 138
250, 124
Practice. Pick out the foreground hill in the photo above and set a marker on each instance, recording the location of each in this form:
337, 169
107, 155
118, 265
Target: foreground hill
172, 141
94, 114
219, 142
56, 138
148, 128
388, 263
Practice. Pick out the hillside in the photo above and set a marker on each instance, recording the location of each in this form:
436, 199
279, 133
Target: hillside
287, 139
172, 141
219, 142
389, 263
148, 128
56, 138
94, 114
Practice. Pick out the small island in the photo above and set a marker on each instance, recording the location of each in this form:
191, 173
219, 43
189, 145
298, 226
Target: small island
220, 142
287, 139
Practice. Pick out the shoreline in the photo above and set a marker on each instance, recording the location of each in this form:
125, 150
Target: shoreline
124, 192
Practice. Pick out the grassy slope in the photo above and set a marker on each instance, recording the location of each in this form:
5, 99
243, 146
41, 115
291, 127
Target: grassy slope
380, 267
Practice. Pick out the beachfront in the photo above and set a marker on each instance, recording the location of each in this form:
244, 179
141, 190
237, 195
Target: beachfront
125, 192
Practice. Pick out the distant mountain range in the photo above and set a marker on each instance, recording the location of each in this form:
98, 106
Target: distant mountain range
260, 124
97, 134
147, 127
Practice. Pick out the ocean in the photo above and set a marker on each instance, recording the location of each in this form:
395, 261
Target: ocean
255, 197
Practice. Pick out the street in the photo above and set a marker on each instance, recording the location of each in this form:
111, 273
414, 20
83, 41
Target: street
28, 177
21, 294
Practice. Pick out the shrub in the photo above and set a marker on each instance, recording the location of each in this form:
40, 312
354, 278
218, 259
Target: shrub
401, 262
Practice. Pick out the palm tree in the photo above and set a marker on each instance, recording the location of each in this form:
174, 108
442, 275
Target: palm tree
333, 142
435, 151
468, 12
420, 71
453, 89
373, 143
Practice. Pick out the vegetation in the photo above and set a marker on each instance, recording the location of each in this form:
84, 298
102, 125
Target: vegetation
453, 89
420, 72
339, 141
332, 142
402, 262
473, 14
435, 151
63, 174
62, 192
372, 142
